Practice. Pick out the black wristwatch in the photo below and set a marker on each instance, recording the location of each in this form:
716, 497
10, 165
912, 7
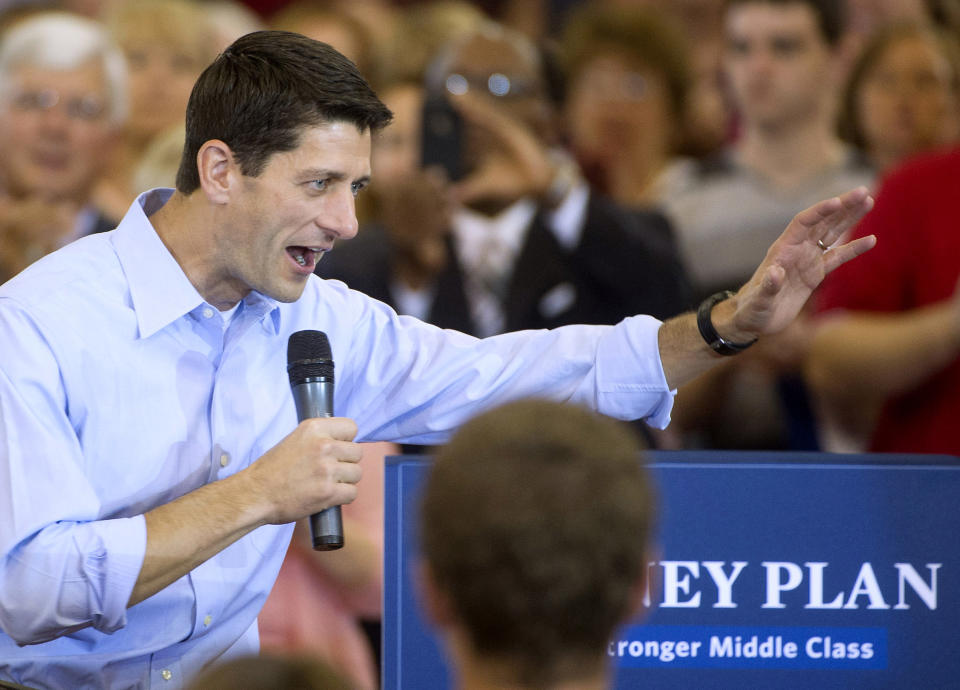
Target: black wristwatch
709, 333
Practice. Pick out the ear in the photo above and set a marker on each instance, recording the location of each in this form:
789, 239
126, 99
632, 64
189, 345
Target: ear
219, 171
638, 603
434, 602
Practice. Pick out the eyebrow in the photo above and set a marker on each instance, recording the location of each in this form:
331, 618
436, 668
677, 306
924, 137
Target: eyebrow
325, 173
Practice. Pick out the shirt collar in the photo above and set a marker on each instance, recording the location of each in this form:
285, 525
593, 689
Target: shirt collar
159, 289
260, 306
475, 233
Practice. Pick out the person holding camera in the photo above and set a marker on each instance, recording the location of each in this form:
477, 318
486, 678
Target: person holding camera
500, 232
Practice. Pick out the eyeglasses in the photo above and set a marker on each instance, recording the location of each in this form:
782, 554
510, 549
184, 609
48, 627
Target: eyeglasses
88, 108
497, 84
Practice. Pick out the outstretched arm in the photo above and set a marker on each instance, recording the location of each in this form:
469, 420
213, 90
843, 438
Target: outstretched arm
794, 266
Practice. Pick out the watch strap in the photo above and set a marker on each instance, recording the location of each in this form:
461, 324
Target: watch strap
709, 333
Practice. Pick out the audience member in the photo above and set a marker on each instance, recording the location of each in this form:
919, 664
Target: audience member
167, 44
626, 98
903, 94
530, 245
902, 99
707, 115
62, 103
780, 63
534, 524
890, 333
781, 60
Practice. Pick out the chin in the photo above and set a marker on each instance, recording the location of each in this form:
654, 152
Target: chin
286, 297
287, 293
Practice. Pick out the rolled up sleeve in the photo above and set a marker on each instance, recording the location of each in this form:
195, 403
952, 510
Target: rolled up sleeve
70, 576
630, 377
61, 567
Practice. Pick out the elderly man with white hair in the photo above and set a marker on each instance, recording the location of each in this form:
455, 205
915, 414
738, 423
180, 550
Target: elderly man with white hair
62, 102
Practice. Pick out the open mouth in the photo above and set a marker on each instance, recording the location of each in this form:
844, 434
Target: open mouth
305, 257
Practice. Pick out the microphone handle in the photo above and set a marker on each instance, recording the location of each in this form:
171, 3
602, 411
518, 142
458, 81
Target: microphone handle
314, 398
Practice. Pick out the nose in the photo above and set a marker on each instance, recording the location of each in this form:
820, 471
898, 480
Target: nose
752, 54
759, 62
339, 216
54, 121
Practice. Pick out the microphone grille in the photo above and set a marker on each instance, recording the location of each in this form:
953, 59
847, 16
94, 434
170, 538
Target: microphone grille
309, 357
305, 345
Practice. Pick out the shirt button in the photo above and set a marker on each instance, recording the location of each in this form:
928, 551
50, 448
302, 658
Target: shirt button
207, 312
224, 460
165, 674
207, 619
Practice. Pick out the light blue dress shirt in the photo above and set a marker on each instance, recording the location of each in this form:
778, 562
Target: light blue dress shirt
122, 389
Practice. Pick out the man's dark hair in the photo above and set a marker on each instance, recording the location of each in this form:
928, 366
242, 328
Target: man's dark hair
260, 93
831, 14
534, 524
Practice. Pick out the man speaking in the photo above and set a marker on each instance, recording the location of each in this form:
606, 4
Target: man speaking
151, 463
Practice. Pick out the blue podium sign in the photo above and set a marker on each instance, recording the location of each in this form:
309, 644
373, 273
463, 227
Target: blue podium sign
772, 570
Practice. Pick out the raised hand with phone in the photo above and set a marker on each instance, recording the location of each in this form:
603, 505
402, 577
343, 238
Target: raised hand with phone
476, 156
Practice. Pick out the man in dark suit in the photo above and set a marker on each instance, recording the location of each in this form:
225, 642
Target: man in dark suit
519, 241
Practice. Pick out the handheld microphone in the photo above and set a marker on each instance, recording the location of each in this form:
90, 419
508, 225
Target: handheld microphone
310, 367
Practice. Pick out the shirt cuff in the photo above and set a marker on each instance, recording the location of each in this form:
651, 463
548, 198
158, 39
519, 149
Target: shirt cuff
630, 379
114, 550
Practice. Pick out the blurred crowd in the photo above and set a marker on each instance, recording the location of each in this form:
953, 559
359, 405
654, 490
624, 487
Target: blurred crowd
557, 162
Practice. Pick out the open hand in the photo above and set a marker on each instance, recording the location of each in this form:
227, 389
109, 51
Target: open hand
514, 161
797, 263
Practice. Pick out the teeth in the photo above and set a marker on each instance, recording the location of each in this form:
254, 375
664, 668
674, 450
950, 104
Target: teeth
301, 260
